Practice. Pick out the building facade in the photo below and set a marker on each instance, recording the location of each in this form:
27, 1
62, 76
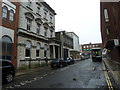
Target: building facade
86, 48
75, 52
36, 27
110, 32
8, 30
66, 43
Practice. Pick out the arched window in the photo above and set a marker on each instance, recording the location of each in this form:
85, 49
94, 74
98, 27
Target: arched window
4, 12
6, 39
27, 49
38, 50
6, 47
11, 15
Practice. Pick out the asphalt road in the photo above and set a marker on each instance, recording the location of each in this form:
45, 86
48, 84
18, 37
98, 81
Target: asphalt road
83, 74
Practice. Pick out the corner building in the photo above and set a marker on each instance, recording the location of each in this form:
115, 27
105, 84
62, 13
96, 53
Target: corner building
36, 27
8, 30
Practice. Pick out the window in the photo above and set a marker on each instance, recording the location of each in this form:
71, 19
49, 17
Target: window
108, 31
38, 29
29, 4
106, 15
51, 19
38, 10
51, 32
4, 12
28, 24
84, 47
6, 48
45, 50
87, 46
38, 50
45, 33
45, 15
27, 51
11, 15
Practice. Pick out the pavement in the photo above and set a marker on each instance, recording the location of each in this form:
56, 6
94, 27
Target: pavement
27, 71
113, 72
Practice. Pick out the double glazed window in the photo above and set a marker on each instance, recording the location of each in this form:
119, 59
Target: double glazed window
4, 12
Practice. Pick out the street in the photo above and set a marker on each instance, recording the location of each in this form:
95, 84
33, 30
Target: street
82, 74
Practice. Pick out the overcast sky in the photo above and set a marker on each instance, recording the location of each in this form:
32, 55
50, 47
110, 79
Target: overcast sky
79, 16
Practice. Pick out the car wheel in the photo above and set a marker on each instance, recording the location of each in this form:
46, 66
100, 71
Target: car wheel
9, 78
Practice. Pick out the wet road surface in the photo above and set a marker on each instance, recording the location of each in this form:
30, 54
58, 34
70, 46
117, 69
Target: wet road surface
83, 74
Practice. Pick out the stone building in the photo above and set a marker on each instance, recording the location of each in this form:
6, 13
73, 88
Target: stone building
8, 30
36, 30
66, 43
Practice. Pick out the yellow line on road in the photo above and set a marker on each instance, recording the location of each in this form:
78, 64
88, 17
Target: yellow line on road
108, 81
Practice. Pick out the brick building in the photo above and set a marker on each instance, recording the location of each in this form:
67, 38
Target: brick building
110, 32
8, 30
86, 48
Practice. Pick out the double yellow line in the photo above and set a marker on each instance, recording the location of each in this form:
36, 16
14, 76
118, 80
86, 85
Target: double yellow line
108, 81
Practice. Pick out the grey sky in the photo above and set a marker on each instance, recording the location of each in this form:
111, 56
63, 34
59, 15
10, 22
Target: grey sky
79, 16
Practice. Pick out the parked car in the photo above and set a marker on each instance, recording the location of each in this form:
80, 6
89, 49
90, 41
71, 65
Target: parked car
69, 60
8, 71
58, 63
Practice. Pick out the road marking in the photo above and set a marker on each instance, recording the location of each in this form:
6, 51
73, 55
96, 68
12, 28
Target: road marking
107, 78
108, 81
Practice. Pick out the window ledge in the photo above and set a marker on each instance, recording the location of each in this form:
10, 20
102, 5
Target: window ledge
29, 8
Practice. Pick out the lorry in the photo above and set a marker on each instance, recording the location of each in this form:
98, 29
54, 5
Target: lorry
96, 54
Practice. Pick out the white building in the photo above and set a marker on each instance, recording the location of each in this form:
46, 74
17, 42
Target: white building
75, 52
36, 26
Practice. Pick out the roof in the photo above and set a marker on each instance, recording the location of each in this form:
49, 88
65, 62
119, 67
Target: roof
48, 7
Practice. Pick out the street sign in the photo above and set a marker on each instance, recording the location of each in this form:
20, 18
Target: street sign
116, 42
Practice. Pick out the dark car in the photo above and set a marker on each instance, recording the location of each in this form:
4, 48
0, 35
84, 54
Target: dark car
58, 63
8, 71
69, 60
